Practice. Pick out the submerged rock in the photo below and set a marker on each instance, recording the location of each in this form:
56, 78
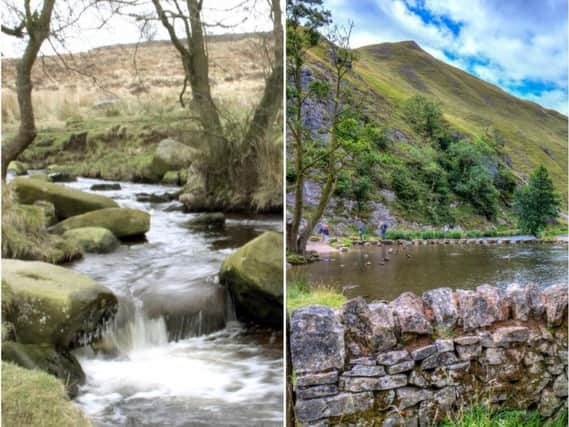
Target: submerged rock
105, 187
94, 239
68, 202
254, 276
52, 305
156, 198
62, 177
209, 221
122, 222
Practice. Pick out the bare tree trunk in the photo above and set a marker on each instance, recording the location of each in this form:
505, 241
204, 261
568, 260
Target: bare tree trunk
38, 30
268, 108
301, 236
293, 243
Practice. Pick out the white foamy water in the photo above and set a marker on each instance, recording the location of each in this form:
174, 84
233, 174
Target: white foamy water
216, 379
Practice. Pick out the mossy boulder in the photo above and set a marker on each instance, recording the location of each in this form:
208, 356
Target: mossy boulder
122, 222
52, 305
35, 398
68, 202
171, 178
208, 221
171, 155
254, 276
93, 239
62, 365
18, 168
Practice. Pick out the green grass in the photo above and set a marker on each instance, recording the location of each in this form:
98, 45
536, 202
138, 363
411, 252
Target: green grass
300, 293
480, 416
34, 398
25, 236
454, 234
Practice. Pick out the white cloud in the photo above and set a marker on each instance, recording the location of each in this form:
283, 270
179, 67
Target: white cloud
507, 43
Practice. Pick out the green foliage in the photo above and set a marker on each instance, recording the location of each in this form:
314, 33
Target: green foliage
405, 187
424, 116
537, 202
481, 416
505, 182
300, 293
470, 167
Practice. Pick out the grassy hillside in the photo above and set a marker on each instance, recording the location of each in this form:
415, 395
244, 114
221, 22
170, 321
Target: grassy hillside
386, 75
534, 135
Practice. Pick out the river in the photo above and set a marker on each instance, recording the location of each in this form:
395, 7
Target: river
179, 357
387, 271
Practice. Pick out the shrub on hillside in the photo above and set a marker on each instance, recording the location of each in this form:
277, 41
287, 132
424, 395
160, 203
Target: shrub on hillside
537, 202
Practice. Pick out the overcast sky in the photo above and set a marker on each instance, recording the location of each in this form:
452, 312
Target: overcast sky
236, 16
519, 45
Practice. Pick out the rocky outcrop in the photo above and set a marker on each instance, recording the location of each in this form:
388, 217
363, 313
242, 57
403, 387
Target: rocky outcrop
254, 277
387, 364
68, 202
122, 222
93, 239
49, 311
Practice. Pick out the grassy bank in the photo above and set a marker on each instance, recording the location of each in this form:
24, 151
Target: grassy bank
401, 234
480, 416
25, 235
300, 293
34, 398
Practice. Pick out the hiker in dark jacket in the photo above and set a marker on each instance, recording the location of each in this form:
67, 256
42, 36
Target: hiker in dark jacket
383, 230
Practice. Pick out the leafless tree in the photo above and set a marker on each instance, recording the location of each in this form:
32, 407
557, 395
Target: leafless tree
183, 20
33, 25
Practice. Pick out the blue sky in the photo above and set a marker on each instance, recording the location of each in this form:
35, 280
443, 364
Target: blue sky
518, 45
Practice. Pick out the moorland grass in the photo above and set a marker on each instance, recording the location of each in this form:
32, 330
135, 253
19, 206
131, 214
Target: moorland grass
35, 398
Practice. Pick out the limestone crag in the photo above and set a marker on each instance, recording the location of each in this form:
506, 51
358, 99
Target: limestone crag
412, 361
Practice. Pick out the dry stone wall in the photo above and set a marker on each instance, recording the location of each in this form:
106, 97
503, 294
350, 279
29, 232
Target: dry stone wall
413, 360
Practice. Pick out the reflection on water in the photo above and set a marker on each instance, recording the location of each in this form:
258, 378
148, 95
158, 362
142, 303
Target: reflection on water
178, 357
367, 272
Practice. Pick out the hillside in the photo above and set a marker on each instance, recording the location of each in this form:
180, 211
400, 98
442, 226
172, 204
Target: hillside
386, 75
533, 134
101, 113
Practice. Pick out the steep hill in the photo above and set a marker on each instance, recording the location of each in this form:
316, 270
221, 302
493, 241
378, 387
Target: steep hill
384, 77
533, 134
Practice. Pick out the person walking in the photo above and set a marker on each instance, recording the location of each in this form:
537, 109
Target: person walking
326, 232
362, 231
383, 230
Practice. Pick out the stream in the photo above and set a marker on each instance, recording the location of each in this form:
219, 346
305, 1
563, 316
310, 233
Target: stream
178, 356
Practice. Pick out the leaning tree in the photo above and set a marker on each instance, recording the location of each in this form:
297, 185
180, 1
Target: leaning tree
32, 25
